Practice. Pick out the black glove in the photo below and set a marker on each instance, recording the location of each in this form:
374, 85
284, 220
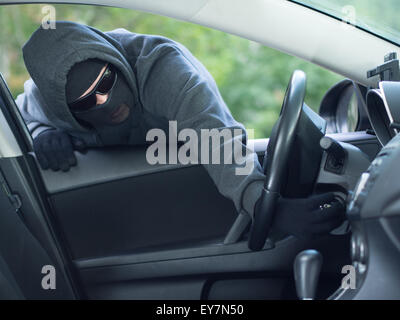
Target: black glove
54, 149
307, 218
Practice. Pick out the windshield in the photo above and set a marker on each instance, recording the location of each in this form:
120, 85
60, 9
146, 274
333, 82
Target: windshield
376, 16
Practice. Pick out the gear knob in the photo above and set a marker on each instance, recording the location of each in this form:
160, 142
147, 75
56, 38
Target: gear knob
307, 267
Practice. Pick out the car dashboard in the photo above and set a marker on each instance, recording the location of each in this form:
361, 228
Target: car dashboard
373, 207
383, 111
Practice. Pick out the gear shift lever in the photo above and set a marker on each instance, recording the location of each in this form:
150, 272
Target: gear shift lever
307, 267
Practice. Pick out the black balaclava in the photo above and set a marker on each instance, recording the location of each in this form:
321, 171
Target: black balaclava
49, 56
79, 79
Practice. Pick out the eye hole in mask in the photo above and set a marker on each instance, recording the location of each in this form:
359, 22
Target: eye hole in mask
103, 86
115, 110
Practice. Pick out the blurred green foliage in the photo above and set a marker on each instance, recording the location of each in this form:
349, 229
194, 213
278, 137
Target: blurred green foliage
252, 78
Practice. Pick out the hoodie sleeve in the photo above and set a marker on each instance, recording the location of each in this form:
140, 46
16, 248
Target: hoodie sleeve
174, 84
29, 104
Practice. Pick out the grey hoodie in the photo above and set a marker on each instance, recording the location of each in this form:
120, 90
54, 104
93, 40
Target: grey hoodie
167, 81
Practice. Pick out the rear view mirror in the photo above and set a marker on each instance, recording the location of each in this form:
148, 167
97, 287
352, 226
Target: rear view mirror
343, 108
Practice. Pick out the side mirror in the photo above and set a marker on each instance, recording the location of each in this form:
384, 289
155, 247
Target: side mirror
343, 107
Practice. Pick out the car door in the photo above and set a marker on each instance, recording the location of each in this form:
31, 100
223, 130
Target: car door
124, 229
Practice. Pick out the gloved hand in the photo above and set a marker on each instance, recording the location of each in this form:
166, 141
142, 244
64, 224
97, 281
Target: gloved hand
54, 149
307, 218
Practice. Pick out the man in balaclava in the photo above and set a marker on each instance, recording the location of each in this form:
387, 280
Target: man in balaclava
91, 89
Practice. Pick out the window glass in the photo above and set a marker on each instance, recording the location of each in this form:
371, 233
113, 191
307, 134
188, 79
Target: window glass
252, 78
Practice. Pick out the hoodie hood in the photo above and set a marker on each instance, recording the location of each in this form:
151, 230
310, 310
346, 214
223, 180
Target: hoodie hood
49, 55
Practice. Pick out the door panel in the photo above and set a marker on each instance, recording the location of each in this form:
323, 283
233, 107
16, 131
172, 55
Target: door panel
211, 258
24, 254
169, 208
136, 231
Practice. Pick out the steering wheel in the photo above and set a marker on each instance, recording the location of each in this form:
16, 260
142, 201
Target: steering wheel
276, 159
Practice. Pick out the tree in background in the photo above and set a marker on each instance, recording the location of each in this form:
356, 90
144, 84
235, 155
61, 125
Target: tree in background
252, 78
